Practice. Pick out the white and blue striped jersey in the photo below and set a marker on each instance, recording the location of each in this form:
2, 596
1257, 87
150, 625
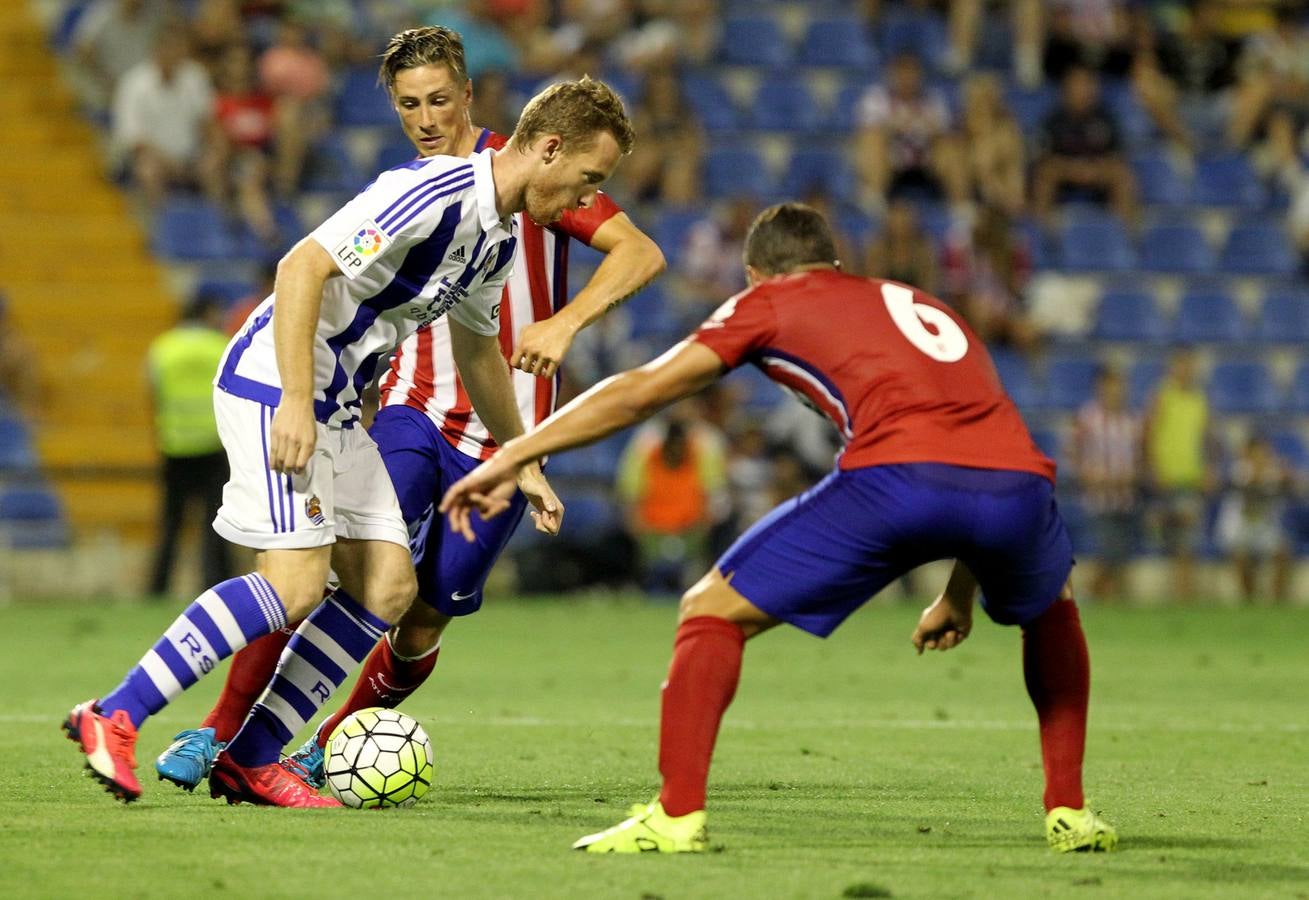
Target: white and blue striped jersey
421, 241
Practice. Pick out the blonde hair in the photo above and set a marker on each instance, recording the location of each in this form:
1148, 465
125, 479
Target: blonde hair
577, 111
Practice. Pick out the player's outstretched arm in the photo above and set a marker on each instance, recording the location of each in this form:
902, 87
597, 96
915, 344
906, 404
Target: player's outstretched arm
299, 291
612, 405
631, 260
946, 623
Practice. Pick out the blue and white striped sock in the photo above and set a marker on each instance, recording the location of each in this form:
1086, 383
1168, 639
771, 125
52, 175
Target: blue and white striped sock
220, 622
325, 649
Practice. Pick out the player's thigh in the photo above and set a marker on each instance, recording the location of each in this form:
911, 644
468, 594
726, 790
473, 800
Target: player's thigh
713, 595
820, 556
377, 573
407, 441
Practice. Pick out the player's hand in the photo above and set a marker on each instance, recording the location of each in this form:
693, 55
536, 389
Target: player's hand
942, 626
292, 437
543, 345
549, 512
487, 489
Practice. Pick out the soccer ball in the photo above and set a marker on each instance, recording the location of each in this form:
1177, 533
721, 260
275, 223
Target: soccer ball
379, 757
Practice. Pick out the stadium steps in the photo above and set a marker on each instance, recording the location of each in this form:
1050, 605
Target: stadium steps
83, 290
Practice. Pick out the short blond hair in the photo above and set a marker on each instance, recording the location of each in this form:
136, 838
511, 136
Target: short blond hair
577, 111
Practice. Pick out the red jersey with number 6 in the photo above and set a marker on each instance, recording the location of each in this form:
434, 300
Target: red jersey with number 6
900, 375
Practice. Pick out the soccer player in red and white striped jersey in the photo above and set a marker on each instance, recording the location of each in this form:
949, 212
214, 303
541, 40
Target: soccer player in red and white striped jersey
426, 429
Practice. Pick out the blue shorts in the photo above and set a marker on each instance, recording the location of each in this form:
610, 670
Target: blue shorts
820, 556
422, 465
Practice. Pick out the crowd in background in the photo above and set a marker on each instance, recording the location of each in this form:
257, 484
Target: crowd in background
952, 187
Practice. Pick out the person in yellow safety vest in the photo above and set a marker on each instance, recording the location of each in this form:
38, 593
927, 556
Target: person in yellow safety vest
181, 364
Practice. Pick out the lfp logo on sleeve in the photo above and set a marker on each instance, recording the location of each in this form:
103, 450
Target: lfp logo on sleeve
357, 252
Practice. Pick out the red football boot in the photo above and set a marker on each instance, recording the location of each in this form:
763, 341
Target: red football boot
109, 743
269, 785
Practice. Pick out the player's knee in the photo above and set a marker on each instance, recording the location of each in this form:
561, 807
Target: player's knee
393, 594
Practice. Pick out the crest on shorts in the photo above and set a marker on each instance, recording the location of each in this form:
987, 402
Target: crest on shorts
314, 509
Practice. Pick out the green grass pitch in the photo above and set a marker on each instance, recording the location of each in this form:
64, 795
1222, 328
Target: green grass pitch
846, 768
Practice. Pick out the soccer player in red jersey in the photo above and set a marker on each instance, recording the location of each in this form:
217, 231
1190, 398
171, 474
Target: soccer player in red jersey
937, 465
426, 429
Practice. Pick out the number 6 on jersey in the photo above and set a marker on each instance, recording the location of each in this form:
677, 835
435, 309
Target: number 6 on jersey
947, 344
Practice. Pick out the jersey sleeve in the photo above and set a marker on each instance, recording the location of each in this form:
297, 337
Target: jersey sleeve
739, 327
582, 224
396, 211
480, 312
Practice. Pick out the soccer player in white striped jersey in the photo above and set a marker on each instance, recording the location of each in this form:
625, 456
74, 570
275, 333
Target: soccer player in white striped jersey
426, 430
309, 489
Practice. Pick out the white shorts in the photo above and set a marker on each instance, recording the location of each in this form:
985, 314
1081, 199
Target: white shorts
344, 492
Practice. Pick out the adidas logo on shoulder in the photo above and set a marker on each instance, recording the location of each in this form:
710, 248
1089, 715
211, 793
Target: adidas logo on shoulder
457, 256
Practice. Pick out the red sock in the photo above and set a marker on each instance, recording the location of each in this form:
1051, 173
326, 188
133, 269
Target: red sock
385, 680
251, 670
1057, 670
701, 682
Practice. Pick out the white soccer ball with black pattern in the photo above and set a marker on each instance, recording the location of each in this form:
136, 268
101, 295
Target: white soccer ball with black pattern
377, 758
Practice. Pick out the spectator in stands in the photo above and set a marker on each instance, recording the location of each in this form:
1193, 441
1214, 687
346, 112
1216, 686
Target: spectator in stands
657, 168
902, 250
297, 77
672, 482
904, 142
241, 141
1026, 26
20, 369
1106, 456
480, 25
994, 151
111, 37
985, 273
216, 26
749, 476
181, 364
1250, 526
162, 111
801, 436
1082, 149
1095, 34
711, 261
1272, 95
1179, 457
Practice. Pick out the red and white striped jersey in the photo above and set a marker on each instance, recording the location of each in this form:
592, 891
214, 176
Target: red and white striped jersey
422, 373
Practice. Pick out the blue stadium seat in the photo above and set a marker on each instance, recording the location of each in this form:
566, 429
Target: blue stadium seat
16, 453
1299, 399
1134, 123
32, 517
712, 102
361, 101
395, 153
1142, 380
909, 31
754, 41
1227, 180
845, 108
1159, 181
838, 42
1284, 317
1180, 249
1070, 381
595, 462
817, 168
1047, 441
227, 290
785, 104
1096, 245
1208, 315
1243, 387
330, 168
1029, 106
671, 228
1016, 376
194, 231
1258, 248
1290, 446
1126, 315
734, 172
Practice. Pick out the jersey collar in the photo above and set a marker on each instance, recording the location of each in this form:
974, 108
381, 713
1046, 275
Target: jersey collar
484, 190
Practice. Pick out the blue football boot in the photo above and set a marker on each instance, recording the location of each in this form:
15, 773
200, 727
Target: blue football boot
307, 764
189, 758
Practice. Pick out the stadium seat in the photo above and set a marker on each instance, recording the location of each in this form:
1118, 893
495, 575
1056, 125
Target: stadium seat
1142, 380
1134, 123
1208, 316
1290, 446
785, 104
227, 290
754, 41
1299, 399
711, 101
837, 42
329, 168
734, 172
817, 168
31, 517
671, 228
1016, 376
1029, 106
1158, 180
1258, 248
1284, 317
1227, 180
1129, 316
1096, 245
16, 453
908, 31
396, 153
361, 101
1070, 381
189, 230
844, 117
1179, 249
1243, 387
